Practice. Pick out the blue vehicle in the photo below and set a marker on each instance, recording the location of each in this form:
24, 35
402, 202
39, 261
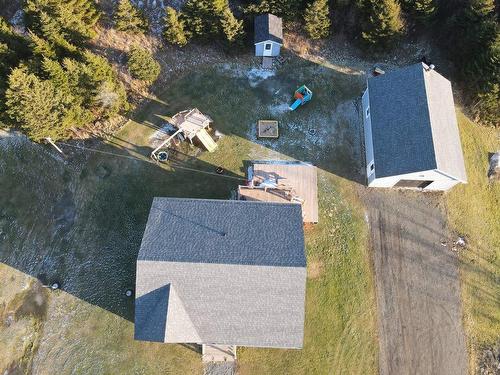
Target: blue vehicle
302, 95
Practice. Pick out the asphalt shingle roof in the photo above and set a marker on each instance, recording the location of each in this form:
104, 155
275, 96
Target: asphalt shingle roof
268, 27
224, 272
414, 125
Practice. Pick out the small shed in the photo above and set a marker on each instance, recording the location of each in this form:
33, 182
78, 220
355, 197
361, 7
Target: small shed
283, 182
411, 131
221, 273
268, 37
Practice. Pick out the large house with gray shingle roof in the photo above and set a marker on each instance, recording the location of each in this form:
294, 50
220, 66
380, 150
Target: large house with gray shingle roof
221, 272
411, 132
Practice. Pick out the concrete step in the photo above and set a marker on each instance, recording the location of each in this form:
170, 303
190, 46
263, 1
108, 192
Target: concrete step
218, 353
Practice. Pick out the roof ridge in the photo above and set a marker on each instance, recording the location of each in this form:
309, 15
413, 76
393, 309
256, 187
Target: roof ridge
429, 111
223, 264
226, 201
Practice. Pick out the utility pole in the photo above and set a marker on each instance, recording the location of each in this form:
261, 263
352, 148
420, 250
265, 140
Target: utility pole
55, 146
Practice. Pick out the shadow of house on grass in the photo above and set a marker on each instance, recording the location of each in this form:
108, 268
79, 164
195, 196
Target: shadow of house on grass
326, 131
79, 221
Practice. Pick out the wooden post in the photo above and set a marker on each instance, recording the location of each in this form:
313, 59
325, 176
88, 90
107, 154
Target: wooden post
55, 146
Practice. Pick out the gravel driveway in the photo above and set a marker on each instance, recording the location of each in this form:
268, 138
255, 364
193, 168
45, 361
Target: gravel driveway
417, 284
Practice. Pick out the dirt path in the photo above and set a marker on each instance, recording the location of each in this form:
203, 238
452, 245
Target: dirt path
417, 283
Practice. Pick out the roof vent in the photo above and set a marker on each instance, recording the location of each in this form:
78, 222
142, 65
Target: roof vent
431, 67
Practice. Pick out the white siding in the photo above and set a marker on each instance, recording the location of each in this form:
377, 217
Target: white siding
443, 185
367, 125
441, 182
275, 49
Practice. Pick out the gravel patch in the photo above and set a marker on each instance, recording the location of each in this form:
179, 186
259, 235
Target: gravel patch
220, 368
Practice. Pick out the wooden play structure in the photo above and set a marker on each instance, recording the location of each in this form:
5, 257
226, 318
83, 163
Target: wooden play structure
190, 124
302, 95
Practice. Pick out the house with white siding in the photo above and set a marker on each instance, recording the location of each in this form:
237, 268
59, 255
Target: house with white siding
268, 35
411, 132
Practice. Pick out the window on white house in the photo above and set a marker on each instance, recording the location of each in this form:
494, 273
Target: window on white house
368, 112
268, 46
371, 168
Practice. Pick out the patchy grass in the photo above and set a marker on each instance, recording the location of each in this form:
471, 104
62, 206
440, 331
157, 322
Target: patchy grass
80, 221
340, 320
23, 305
340, 333
473, 211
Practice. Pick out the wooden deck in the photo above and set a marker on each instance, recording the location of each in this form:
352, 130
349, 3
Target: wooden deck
300, 178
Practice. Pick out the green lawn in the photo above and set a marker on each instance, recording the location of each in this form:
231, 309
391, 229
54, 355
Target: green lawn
80, 222
340, 313
473, 211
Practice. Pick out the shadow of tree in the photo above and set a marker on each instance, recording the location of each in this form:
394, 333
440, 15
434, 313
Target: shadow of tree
326, 131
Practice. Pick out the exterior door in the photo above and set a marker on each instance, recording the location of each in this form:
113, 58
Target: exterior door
268, 49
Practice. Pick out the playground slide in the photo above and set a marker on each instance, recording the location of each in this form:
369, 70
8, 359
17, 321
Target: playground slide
296, 104
207, 140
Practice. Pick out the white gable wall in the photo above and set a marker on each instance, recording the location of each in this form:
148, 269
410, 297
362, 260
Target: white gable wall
367, 122
441, 182
260, 48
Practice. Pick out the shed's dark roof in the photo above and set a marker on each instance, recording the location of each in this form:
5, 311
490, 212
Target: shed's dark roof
414, 125
228, 232
268, 27
223, 272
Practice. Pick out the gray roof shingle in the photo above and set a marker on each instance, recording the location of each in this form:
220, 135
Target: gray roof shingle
228, 232
414, 125
268, 27
224, 272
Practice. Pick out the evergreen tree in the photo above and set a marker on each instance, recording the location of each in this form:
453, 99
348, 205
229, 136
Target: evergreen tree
52, 33
205, 18
7, 60
104, 92
422, 10
15, 42
317, 19
71, 20
128, 18
383, 22
473, 33
482, 7
201, 18
73, 100
41, 47
78, 19
13, 49
36, 106
142, 65
231, 27
287, 9
173, 30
